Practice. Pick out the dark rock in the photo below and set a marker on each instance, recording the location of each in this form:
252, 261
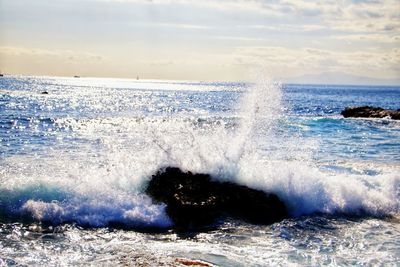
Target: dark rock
188, 262
370, 112
194, 200
44, 93
395, 115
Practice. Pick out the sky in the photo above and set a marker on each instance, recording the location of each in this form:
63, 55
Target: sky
343, 41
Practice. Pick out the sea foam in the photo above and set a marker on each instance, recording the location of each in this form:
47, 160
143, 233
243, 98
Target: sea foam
100, 181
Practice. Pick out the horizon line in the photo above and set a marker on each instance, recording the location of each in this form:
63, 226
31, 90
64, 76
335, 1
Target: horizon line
199, 80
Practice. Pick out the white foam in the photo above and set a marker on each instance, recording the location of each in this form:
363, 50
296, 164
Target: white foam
102, 179
100, 210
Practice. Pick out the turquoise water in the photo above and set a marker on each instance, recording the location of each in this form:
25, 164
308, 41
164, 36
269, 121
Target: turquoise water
75, 161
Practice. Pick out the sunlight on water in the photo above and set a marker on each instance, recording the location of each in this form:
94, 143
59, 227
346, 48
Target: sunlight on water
83, 154
101, 179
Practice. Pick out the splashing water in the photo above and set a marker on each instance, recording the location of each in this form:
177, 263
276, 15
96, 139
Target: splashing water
98, 178
82, 154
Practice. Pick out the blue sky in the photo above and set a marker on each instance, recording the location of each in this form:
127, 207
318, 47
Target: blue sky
290, 40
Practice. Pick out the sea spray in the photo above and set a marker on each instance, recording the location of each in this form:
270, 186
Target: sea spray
102, 163
82, 155
267, 159
259, 110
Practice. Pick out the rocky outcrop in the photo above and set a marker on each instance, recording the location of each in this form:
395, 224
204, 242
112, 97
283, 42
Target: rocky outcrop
370, 112
194, 200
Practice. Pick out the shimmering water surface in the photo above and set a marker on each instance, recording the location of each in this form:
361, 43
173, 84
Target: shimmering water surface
74, 161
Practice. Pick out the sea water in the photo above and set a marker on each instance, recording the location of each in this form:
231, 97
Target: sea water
76, 154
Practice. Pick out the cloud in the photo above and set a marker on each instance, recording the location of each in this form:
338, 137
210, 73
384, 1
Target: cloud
391, 27
283, 61
369, 38
347, 15
366, 1
292, 36
285, 27
68, 55
179, 26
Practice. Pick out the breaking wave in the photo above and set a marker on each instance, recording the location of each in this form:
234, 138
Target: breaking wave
99, 182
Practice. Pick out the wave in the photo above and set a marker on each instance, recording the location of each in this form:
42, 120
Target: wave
305, 191
56, 205
100, 183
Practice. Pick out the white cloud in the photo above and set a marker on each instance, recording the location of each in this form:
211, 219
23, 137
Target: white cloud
285, 27
292, 36
370, 38
347, 15
68, 55
179, 26
284, 61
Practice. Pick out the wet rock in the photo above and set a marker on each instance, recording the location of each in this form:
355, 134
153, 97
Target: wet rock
188, 262
370, 112
195, 200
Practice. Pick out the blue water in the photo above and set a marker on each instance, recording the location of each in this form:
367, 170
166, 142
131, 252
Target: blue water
80, 156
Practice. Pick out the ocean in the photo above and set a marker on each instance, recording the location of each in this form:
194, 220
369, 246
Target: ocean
77, 153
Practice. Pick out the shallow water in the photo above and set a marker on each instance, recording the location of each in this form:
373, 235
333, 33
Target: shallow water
79, 157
